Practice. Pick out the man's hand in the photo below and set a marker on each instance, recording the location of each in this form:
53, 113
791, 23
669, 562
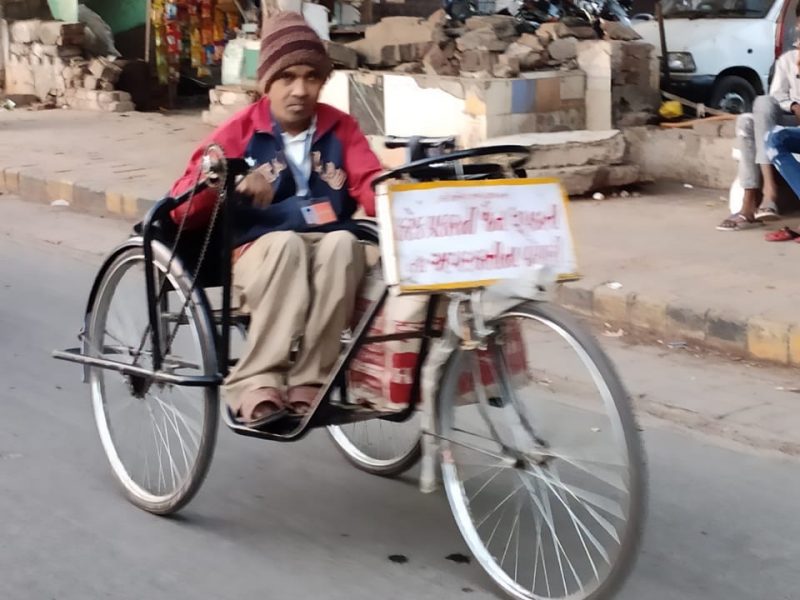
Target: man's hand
796, 111
258, 187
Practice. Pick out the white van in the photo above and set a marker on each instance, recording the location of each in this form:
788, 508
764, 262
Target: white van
721, 52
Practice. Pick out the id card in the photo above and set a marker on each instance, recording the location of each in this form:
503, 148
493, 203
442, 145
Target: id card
319, 212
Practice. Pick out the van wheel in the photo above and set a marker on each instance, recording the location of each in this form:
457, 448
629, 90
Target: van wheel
733, 94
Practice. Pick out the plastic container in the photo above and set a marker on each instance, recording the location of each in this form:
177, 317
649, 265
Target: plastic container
317, 17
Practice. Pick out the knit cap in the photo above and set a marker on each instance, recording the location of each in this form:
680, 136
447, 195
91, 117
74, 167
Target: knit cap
287, 41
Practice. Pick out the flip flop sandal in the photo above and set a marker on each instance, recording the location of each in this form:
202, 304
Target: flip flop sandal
276, 414
300, 407
738, 222
782, 235
769, 213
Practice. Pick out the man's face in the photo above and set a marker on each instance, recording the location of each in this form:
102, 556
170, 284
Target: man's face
294, 94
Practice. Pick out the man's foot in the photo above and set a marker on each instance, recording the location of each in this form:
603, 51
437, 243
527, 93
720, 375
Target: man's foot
301, 399
261, 406
738, 222
768, 211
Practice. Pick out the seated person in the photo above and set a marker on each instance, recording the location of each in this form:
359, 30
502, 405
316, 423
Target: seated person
297, 267
756, 174
782, 144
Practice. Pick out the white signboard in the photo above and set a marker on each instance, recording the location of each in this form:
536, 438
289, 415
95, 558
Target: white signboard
464, 234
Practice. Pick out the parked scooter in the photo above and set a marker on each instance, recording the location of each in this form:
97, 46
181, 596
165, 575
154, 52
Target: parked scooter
530, 14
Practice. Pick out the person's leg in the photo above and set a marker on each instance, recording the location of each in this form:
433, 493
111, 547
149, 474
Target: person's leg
272, 278
338, 265
782, 145
749, 172
767, 114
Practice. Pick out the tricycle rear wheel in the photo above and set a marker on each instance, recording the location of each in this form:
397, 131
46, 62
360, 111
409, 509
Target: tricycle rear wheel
159, 438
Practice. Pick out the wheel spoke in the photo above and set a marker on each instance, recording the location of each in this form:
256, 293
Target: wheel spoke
580, 494
502, 502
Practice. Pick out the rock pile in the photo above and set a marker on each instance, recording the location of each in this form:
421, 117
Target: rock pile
46, 61
485, 46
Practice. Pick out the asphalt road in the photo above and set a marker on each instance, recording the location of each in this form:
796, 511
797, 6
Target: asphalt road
277, 521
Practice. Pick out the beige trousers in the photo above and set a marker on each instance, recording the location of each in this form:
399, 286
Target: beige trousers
297, 288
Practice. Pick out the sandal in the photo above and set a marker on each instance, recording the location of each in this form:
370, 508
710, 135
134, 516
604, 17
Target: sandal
269, 401
738, 222
302, 399
767, 213
782, 235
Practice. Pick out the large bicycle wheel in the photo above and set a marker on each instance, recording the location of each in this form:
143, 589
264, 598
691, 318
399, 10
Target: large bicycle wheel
378, 446
541, 458
159, 439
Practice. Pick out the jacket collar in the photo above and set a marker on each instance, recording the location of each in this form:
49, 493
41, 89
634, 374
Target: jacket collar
327, 117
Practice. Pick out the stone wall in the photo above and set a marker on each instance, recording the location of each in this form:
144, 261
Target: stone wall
472, 109
702, 157
622, 83
46, 61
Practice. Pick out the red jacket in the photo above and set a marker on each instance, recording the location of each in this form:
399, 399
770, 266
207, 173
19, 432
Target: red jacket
341, 148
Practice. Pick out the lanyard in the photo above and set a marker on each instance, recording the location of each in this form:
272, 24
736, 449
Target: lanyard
300, 181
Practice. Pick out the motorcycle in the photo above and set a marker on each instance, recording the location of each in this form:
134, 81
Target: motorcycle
530, 14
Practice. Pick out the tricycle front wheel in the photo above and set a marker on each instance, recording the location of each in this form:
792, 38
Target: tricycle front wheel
541, 458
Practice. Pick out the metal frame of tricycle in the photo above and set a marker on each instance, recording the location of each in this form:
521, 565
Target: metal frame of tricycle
324, 413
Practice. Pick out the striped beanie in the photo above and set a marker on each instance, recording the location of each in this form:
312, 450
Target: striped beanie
286, 41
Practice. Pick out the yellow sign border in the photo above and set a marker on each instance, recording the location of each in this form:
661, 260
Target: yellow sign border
464, 285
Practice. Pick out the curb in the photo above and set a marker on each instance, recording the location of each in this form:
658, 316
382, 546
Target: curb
754, 337
33, 186
650, 317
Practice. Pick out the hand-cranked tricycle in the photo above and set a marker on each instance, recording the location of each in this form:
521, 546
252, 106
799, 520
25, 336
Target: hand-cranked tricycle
538, 449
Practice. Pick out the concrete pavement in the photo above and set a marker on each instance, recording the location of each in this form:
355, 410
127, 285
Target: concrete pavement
279, 521
681, 281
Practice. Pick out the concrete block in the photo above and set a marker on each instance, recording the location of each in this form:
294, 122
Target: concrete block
59, 190
685, 324
119, 107
88, 199
19, 79
105, 69
570, 148
234, 97
563, 49
19, 49
90, 82
578, 181
708, 128
610, 305
25, 32
61, 34
614, 30
11, 180
399, 30
728, 129
476, 61
528, 58
506, 67
573, 86
531, 41
768, 340
32, 186
548, 95
794, 345
558, 30
726, 332
341, 55
436, 62
647, 314
481, 39
503, 27
576, 298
